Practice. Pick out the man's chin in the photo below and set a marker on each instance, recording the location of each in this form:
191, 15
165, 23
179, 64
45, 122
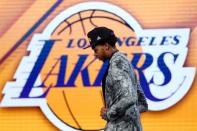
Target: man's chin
101, 59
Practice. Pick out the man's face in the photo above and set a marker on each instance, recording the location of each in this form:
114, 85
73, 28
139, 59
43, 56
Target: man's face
99, 52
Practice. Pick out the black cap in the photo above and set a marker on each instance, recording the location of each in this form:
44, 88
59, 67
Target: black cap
99, 35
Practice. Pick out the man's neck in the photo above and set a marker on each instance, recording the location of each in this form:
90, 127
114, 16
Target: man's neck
114, 50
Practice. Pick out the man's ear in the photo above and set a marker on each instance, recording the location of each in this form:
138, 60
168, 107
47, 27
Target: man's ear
107, 46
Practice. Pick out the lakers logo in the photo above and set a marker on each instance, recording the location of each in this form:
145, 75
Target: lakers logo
65, 80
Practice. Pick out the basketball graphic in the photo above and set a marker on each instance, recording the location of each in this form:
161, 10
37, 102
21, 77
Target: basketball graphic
79, 104
64, 80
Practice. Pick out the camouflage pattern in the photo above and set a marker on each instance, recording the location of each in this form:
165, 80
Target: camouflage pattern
121, 96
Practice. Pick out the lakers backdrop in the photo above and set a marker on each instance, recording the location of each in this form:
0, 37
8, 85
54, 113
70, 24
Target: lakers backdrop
48, 82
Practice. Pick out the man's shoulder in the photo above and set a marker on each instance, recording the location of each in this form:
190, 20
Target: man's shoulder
119, 55
119, 60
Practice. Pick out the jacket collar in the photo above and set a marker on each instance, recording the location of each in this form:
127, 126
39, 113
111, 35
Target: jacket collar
113, 56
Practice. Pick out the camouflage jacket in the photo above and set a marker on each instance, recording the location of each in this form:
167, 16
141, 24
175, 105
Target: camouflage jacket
122, 93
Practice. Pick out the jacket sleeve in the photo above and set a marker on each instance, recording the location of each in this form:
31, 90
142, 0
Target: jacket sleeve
123, 89
142, 103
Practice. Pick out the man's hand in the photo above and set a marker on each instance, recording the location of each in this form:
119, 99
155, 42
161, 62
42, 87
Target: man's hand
103, 113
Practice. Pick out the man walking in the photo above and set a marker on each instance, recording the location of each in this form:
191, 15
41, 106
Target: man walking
123, 96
